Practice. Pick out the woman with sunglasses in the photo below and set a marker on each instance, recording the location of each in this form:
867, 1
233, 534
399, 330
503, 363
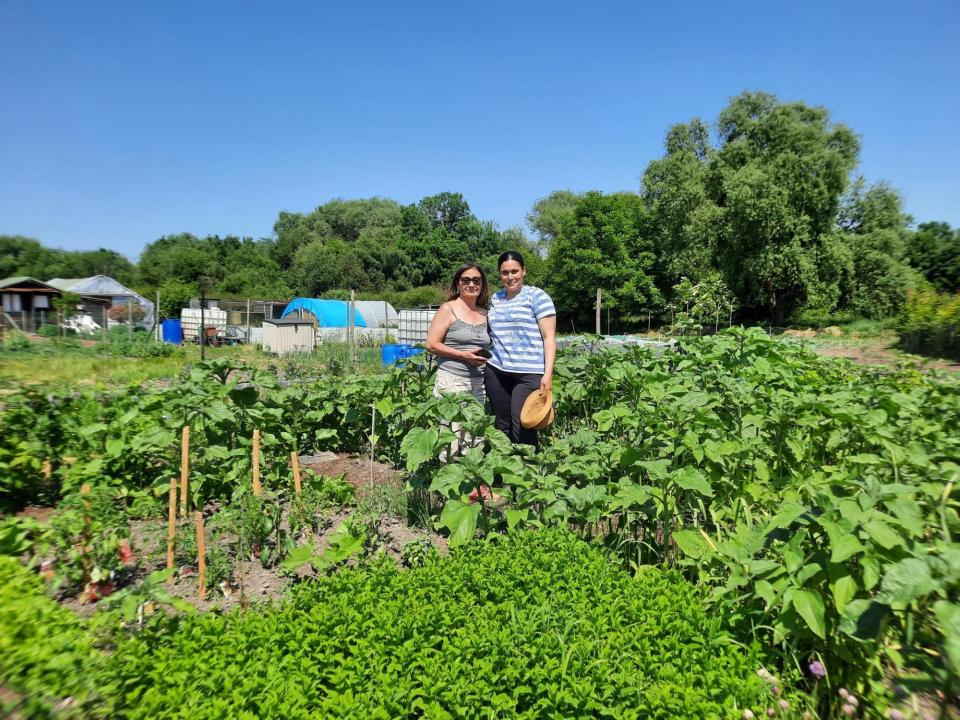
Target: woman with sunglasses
458, 337
523, 328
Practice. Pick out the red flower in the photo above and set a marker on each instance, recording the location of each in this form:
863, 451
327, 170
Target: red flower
125, 553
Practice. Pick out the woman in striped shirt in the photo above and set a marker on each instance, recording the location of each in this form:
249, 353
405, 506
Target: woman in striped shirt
523, 327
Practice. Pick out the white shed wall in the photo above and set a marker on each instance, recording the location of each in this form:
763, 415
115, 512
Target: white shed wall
288, 339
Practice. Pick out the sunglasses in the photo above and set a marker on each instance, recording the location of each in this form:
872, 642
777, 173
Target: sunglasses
476, 280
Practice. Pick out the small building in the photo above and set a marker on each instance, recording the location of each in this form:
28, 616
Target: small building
288, 336
123, 299
27, 303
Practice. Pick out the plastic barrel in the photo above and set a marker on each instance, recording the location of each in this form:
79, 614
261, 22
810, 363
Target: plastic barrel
409, 351
390, 354
171, 331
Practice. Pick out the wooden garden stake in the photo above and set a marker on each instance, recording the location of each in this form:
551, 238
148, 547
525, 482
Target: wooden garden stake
373, 431
184, 470
172, 525
257, 490
85, 554
295, 463
201, 555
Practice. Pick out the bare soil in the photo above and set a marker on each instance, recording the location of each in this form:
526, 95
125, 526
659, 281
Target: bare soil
362, 473
260, 584
877, 350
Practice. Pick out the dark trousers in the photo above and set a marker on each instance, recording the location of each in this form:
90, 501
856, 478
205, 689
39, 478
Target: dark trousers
507, 393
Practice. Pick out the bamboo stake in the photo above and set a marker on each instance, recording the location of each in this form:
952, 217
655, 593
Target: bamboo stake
172, 525
184, 470
257, 490
295, 463
201, 555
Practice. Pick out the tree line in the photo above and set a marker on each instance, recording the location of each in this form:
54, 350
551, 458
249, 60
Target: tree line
763, 202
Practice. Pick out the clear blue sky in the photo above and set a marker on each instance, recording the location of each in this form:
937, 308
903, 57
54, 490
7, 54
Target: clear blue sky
124, 121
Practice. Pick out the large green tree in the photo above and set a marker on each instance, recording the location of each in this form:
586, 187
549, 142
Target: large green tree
874, 228
26, 256
934, 250
758, 203
548, 214
605, 243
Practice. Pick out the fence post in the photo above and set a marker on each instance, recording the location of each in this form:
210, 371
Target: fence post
599, 329
129, 318
248, 321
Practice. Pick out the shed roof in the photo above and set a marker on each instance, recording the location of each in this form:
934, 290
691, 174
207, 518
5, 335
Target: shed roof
329, 313
12, 282
289, 321
93, 285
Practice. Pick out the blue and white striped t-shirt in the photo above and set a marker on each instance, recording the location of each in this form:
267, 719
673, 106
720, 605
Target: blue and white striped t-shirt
517, 343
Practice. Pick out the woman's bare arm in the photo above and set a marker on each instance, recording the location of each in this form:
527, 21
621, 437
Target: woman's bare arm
548, 330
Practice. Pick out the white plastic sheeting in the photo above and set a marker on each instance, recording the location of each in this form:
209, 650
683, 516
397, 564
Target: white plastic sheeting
377, 313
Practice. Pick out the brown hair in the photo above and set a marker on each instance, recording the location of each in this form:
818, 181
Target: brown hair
483, 299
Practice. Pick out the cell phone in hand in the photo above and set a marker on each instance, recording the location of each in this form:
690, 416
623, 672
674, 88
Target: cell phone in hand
483, 352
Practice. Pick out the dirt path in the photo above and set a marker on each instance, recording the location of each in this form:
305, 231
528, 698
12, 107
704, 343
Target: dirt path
869, 349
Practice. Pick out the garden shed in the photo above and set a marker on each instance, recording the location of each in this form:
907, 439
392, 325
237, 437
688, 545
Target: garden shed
291, 335
106, 288
27, 303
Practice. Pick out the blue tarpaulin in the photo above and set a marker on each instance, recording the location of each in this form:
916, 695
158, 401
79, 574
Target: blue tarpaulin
329, 313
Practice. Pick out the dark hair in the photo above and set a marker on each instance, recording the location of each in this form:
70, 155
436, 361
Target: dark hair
510, 255
483, 299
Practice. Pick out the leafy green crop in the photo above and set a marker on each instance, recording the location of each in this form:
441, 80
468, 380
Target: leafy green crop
536, 625
45, 654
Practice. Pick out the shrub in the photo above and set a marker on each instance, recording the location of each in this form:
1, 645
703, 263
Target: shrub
536, 625
930, 322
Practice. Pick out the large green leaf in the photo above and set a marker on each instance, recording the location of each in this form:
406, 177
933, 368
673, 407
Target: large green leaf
809, 605
844, 547
460, 519
863, 618
905, 581
882, 534
692, 479
419, 446
948, 616
691, 542
844, 590
448, 479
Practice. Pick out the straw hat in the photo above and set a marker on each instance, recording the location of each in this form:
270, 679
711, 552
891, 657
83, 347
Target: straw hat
548, 420
537, 410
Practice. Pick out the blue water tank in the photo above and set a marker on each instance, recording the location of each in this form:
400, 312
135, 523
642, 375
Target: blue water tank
390, 354
409, 351
171, 331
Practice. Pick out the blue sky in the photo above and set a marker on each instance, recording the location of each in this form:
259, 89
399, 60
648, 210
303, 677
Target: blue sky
121, 122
